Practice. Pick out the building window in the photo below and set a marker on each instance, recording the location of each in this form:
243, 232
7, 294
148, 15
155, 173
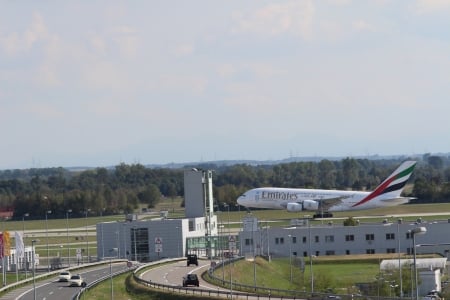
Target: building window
248, 242
370, 251
408, 235
305, 254
329, 238
349, 238
347, 252
329, 252
317, 253
390, 236
304, 240
370, 237
294, 240
279, 241
390, 250
316, 238
140, 242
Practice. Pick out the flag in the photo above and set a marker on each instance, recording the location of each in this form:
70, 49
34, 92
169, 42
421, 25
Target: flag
19, 244
6, 244
1, 245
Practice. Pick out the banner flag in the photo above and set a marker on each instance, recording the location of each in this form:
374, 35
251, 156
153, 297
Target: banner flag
20, 249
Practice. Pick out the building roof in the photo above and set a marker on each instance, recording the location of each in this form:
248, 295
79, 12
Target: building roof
422, 263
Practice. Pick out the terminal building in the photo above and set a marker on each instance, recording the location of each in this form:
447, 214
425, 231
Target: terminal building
388, 237
148, 240
303, 240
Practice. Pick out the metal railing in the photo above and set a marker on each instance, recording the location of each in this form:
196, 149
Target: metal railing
80, 293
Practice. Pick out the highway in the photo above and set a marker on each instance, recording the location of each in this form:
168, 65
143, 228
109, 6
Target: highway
52, 289
172, 274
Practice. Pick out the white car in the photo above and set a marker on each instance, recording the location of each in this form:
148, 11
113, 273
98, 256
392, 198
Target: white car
64, 276
77, 280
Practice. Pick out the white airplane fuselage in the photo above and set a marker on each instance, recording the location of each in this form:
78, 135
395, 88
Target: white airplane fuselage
279, 198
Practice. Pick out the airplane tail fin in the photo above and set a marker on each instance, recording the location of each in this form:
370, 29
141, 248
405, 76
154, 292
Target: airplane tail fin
392, 187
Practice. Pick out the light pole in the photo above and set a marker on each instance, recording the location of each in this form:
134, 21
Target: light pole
290, 255
67, 226
135, 252
32, 261
399, 221
87, 235
125, 236
310, 257
417, 230
24, 244
110, 270
46, 236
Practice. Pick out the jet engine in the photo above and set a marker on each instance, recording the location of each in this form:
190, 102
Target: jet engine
304, 205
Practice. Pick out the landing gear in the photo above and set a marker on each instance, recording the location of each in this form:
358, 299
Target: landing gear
321, 215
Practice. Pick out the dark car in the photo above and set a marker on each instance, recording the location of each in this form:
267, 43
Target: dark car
192, 259
190, 279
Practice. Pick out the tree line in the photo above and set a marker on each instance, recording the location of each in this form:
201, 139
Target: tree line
121, 189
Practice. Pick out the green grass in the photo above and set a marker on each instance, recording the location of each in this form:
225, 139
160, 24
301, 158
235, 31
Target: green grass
103, 290
339, 274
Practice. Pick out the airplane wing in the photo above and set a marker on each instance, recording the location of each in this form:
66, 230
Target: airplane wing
325, 204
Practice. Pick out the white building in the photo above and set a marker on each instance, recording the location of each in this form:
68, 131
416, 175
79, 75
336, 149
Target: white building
148, 240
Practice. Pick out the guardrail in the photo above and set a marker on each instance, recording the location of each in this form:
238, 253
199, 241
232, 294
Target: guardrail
197, 291
101, 279
17, 284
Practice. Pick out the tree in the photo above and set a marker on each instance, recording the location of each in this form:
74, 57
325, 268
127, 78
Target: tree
151, 196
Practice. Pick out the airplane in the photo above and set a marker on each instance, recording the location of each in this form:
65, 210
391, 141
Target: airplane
326, 201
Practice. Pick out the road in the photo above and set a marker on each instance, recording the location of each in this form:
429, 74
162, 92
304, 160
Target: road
52, 289
172, 274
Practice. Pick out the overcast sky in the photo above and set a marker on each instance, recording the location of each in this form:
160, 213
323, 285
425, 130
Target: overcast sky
98, 83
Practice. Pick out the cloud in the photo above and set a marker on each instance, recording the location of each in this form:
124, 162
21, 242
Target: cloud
431, 6
361, 25
14, 42
126, 38
294, 18
184, 50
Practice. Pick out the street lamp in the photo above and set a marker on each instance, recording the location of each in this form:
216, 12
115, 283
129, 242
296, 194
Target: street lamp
87, 236
290, 255
135, 252
399, 221
32, 257
23, 234
67, 226
110, 270
46, 235
310, 257
417, 230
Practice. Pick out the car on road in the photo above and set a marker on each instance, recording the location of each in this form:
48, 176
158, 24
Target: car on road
64, 276
190, 279
77, 280
192, 259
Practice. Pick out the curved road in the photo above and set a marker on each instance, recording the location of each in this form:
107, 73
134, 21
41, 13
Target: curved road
52, 289
172, 274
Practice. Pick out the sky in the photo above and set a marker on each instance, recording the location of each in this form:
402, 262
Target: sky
99, 83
